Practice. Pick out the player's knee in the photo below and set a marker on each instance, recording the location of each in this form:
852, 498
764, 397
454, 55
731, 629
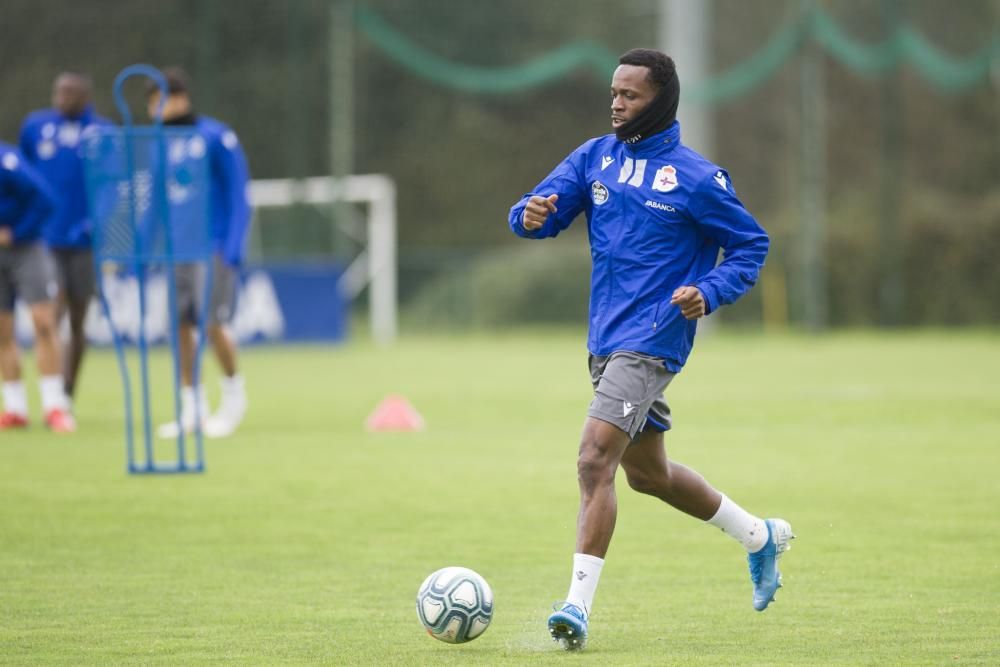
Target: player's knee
639, 481
594, 464
44, 327
592, 472
650, 482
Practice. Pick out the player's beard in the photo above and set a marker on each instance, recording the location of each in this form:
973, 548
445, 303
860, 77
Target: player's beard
656, 117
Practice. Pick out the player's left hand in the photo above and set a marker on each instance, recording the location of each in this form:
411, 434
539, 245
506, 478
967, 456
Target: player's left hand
6, 237
690, 300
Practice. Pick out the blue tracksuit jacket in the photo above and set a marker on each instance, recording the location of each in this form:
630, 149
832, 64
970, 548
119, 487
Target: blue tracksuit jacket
25, 198
657, 215
230, 207
50, 141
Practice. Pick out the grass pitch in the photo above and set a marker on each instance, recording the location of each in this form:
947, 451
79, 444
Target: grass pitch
306, 539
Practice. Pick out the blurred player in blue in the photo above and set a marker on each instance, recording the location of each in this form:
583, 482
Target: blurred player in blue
27, 272
658, 215
230, 213
50, 141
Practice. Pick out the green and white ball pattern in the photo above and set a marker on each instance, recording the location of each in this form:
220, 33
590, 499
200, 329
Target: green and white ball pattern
455, 605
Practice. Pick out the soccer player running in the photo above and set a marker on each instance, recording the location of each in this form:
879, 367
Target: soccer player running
26, 271
657, 215
50, 141
230, 219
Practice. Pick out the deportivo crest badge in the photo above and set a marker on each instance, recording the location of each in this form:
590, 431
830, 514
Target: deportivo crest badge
599, 193
665, 179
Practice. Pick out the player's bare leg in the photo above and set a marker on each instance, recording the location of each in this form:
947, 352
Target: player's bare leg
224, 347
15, 399
76, 311
601, 447
43, 317
54, 403
10, 359
186, 343
191, 396
649, 471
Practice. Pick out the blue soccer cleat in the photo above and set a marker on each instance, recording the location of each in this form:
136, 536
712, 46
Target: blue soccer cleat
568, 626
764, 563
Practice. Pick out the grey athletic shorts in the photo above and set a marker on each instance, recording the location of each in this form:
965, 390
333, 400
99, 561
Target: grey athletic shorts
628, 391
191, 290
75, 272
26, 271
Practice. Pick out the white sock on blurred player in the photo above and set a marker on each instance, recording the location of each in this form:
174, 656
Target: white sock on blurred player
234, 396
231, 410
583, 585
53, 393
745, 528
189, 399
15, 398
188, 403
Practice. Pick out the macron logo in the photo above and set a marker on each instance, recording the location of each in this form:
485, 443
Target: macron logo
657, 205
720, 178
628, 409
606, 162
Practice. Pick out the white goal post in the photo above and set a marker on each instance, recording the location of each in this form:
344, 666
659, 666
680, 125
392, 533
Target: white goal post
375, 266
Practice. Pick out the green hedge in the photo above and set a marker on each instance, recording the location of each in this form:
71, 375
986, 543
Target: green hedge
542, 282
949, 268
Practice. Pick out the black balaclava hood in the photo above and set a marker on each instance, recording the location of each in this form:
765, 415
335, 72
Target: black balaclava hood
658, 116
189, 118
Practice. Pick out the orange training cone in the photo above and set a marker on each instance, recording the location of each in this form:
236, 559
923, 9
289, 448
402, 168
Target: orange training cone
394, 413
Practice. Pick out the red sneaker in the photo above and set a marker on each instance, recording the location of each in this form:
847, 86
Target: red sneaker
10, 420
60, 421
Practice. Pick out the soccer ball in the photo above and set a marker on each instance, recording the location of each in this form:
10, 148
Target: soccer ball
455, 605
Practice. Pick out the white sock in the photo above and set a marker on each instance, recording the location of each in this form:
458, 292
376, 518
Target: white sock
15, 398
53, 392
233, 390
583, 585
740, 525
188, 403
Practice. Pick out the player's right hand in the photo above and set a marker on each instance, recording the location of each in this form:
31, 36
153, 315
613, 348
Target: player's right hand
6, 236
538, 210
